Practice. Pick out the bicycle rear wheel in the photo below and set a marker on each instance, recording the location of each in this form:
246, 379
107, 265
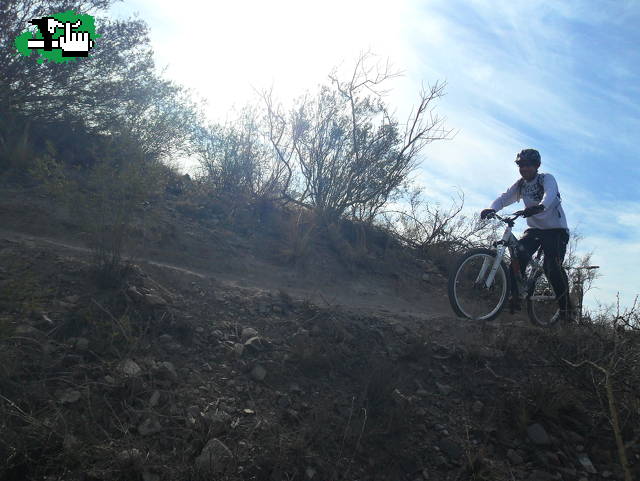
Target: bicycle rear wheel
542, 305
468, 294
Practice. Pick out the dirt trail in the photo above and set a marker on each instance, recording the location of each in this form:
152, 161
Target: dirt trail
364, 295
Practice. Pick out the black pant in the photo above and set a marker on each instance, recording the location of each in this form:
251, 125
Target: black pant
554, 245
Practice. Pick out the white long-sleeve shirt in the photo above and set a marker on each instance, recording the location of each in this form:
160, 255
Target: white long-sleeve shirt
542, 191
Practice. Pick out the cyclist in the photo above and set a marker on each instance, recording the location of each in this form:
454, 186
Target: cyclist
547, 226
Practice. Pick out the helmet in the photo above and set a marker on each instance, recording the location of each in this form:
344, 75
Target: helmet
529, 155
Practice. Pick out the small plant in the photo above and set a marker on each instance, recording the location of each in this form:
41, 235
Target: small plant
299, 236
114, 187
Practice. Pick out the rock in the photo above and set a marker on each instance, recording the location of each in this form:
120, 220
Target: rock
218, 423
109, 379
586, 463
193, 414
165, 338
452, 449
129, 456
296, 389
310, 472
29, 331
399, 398
444, 389
167, 371
149, 426
426, 277
248, 333
238, 349
72, 360
194, 411
155, 300
130, 368
149, 476
574, 438
439, 460
422, 393
81, 344
568, 472
70, 442
218, 334
155, 399
63, 305
174, 347
258, 373
552, 458
514, 457
400, 330
538, 435
538, 475
302, 344
69, 397
214, 458
477, 408
255, 343
607, 474
72, 299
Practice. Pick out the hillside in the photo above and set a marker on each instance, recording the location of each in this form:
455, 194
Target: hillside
253, 345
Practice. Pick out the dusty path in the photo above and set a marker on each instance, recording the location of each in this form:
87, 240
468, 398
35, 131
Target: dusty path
365, 296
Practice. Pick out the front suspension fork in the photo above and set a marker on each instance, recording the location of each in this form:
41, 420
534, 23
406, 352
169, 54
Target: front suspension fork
494, 268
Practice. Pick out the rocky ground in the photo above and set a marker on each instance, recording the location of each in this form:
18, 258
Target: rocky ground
242, 368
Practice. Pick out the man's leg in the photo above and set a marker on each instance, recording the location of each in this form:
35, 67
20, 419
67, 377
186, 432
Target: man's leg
527, 245
554, 244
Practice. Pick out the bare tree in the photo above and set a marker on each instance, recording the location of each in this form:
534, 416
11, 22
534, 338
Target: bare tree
239, 155
425, 225
351, 153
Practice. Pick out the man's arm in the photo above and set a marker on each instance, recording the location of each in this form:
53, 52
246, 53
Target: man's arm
507, 198
551, 196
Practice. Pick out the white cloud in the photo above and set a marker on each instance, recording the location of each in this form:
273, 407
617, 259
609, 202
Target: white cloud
225, 50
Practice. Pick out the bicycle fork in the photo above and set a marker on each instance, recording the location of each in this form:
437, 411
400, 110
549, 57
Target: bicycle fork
494, 268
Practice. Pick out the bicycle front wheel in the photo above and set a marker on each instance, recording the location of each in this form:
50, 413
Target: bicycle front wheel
468, 293
542, 305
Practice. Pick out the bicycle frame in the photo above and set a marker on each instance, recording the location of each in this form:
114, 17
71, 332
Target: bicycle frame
508, 241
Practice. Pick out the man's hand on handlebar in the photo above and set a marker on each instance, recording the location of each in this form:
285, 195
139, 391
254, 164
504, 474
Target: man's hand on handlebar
487, 213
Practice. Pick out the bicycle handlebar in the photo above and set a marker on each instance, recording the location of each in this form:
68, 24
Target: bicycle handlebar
507, 220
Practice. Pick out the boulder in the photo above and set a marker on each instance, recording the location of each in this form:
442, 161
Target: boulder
214, 458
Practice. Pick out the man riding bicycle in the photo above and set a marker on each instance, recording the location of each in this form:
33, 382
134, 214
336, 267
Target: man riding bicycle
547, 226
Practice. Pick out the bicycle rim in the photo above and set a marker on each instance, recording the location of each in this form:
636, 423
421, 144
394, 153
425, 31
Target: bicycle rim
474, 300
542, 304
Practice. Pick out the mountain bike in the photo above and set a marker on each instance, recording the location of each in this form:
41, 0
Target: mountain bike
479, 283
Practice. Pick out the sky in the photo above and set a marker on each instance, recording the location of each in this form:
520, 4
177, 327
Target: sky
562, 77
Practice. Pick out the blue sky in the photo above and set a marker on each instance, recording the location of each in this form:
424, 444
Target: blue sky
562, 77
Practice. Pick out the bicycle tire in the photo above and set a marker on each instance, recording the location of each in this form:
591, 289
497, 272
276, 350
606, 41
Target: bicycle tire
542, 306
455, 273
